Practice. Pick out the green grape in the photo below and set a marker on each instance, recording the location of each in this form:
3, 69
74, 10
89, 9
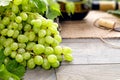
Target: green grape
30, 46
67, 50
52, 58
43, 27
6, 20
2, 26
10, 33
19, 58
44, 22
49, 50
4, 32
41, 41
30, 63
14, 25
12, 16
32, 4
21, 45
49, 23
33, 21
57, 33
25, 2
46, 45
58, 38
6, 60
17, 2
24, 63
21, 50
46, 64
55, 43
55, 24
10, 26
53, 30
26, 55
20, 26
26, 8
38, 60
59, 57
7, 51
31, 36
30, 18
41, 33
13, 54
15, 9
8, 42
56, 64
16, 33
24, 16
38, 16
7, 11
48, 32
18, 19
58, 50
49, 39
2, 40
22, 38
26, 33
37, 23
27, 27
14, 46
68, 57
35, 29
36, 39
38, 49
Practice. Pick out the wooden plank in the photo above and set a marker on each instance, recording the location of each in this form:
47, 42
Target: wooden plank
40, 74
93, 51
89, 72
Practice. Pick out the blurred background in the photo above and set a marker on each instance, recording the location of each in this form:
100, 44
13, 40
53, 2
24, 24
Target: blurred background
78, 9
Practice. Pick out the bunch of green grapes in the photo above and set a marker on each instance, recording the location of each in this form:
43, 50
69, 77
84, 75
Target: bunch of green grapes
31, 39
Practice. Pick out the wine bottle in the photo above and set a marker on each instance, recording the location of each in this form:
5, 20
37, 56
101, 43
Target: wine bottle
80, 11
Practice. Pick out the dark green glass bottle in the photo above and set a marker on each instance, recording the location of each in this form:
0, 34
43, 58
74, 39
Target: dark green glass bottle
81, 10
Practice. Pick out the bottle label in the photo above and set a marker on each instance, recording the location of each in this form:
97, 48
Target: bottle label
80, 7
107, 5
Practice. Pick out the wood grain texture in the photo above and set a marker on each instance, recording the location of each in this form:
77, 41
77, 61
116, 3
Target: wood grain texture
89, 72
40, 74
93, 51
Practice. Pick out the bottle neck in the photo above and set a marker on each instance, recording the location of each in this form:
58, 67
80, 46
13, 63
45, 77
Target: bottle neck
105, 5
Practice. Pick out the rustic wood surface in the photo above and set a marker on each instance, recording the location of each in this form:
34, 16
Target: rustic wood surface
89, 72
93, 60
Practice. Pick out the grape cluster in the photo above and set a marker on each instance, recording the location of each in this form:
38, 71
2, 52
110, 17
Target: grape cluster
31, 39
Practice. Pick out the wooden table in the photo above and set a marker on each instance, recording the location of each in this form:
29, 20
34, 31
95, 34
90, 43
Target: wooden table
93, 60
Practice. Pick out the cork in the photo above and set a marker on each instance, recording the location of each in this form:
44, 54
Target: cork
106, 23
